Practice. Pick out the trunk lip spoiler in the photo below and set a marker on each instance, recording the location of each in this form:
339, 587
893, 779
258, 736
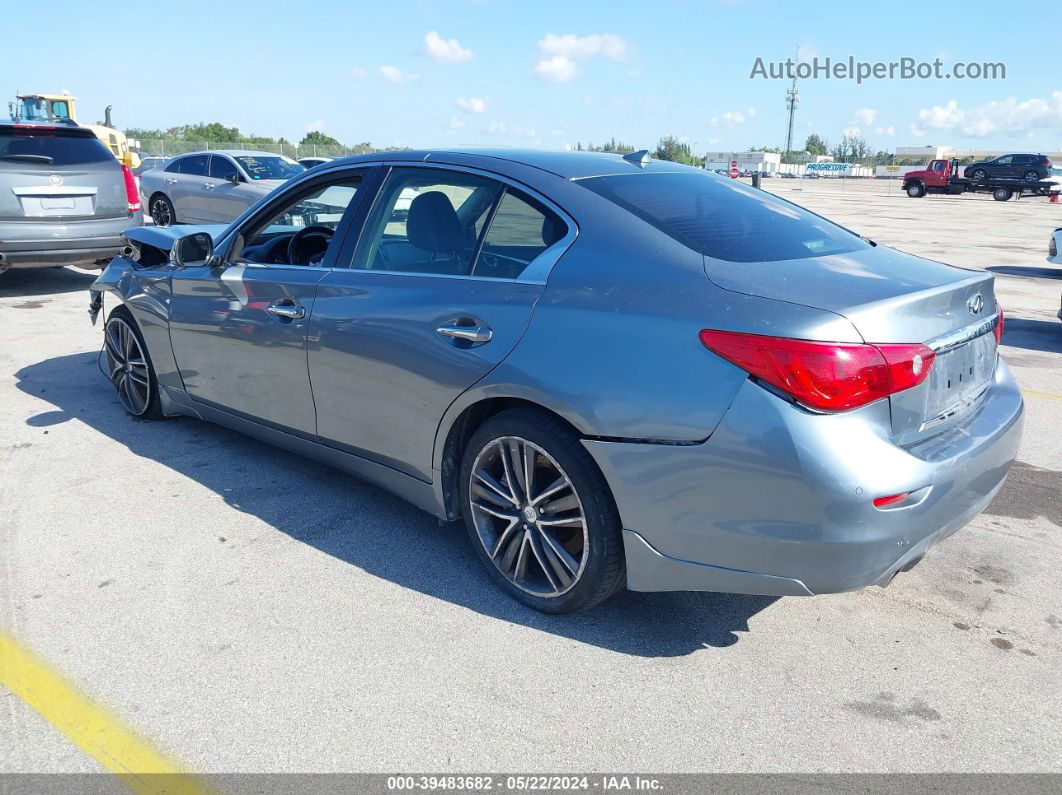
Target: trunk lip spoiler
959, 337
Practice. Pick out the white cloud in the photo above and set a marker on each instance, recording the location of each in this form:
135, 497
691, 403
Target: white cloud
1000, 117
496, 127
396, 75
733, 117
472, 104
569, 45
358, 72
806, 53
315, 125
750, 112
890, 130
560, 53
455, 125
558, 69
446, 50
713, 141
864, 116
851, 132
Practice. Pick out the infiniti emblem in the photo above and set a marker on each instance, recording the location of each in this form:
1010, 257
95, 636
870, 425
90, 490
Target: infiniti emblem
55, 179
976, 304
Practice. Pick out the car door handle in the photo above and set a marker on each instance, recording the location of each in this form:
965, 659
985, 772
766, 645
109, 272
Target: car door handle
285, 307
171, 180
208, 186
466, 329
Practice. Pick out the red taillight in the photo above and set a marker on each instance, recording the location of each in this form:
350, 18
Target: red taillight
827, 376
998, 330
894, 499
132, 195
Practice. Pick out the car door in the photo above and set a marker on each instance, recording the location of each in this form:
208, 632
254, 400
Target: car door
225, 190
1001, 167
186, 191
440, 290
238, 330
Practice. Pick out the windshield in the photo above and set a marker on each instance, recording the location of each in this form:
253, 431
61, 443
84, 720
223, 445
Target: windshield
265, 167
724, 219
51, 147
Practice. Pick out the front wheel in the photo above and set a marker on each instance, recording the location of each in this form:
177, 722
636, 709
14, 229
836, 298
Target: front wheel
980, 175
540, 513
129, 366
915, 190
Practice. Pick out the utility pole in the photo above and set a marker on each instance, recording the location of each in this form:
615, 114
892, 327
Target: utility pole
792, 97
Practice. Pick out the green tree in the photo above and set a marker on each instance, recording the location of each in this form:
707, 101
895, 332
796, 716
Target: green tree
670, 148
318, 138
815, 145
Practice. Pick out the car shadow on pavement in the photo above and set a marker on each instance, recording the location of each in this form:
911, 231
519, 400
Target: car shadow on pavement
1033, 335
369, 528
24, 282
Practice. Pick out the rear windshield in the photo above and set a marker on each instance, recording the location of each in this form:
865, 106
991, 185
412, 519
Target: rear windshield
724, 219
50, 148
270, 167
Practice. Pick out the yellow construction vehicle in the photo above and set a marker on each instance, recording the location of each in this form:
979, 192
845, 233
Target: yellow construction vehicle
62, 107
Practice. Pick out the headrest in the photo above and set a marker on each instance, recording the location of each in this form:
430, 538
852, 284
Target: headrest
432, 223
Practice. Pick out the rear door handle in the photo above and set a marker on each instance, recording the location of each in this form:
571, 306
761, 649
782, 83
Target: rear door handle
287, 308
208, 186
171, 180
466, 329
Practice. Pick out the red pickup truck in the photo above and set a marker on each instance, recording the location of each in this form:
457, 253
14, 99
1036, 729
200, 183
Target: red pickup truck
941, 176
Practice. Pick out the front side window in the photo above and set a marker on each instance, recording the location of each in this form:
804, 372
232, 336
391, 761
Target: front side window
1005, 160
427, 220
301, 232
222, 168
260, 167
724, 219
522, 228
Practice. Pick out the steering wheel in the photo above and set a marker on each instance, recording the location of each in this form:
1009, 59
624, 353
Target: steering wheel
295, 256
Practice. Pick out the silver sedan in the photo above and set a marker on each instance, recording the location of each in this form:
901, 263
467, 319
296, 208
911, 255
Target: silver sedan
617, 372
212, 187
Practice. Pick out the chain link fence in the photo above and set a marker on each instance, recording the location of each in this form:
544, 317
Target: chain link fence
169, 148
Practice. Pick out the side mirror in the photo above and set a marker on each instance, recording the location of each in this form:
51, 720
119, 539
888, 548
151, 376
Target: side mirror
191, 250
235, 179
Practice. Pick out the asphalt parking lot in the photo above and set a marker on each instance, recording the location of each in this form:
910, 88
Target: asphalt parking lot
247, 610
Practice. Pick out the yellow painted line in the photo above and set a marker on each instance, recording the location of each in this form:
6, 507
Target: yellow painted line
105, 739
1047, 395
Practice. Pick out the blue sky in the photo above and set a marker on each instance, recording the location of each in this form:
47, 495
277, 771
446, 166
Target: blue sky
543, 73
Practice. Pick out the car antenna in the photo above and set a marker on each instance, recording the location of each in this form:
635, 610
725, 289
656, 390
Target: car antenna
639, 158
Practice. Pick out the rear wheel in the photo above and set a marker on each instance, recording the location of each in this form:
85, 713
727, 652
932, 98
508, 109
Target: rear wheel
540, 513
979, 175
1002, 194
916, 190
1031, 176
161, 211
129, 367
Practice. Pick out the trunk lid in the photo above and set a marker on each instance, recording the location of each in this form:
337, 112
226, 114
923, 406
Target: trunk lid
894, 297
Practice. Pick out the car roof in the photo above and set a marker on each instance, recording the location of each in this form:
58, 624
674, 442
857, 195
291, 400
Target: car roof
569, 165
233, 153
65, 126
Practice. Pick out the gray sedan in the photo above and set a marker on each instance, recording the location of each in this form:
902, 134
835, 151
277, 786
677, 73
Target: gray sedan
212, 187
617, 372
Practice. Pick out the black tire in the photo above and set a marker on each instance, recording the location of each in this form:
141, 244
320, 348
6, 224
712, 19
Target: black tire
1002, 194
980, 175
161, 210
152, 408
1031, 176
916, 190
602, 571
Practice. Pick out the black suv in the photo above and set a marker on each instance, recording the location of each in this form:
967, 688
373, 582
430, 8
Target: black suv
1031, 168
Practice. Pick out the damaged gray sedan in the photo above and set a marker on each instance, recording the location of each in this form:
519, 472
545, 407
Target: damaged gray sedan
617, 372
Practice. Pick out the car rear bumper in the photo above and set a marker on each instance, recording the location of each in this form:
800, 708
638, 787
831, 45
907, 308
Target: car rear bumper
779, 500
42, 245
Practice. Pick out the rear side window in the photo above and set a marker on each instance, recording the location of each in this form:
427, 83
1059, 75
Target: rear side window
195, 165
724, 219
521, 229
51, 148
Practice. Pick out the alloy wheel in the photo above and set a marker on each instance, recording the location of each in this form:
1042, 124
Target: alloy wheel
127, 366
160, 213
528, 516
